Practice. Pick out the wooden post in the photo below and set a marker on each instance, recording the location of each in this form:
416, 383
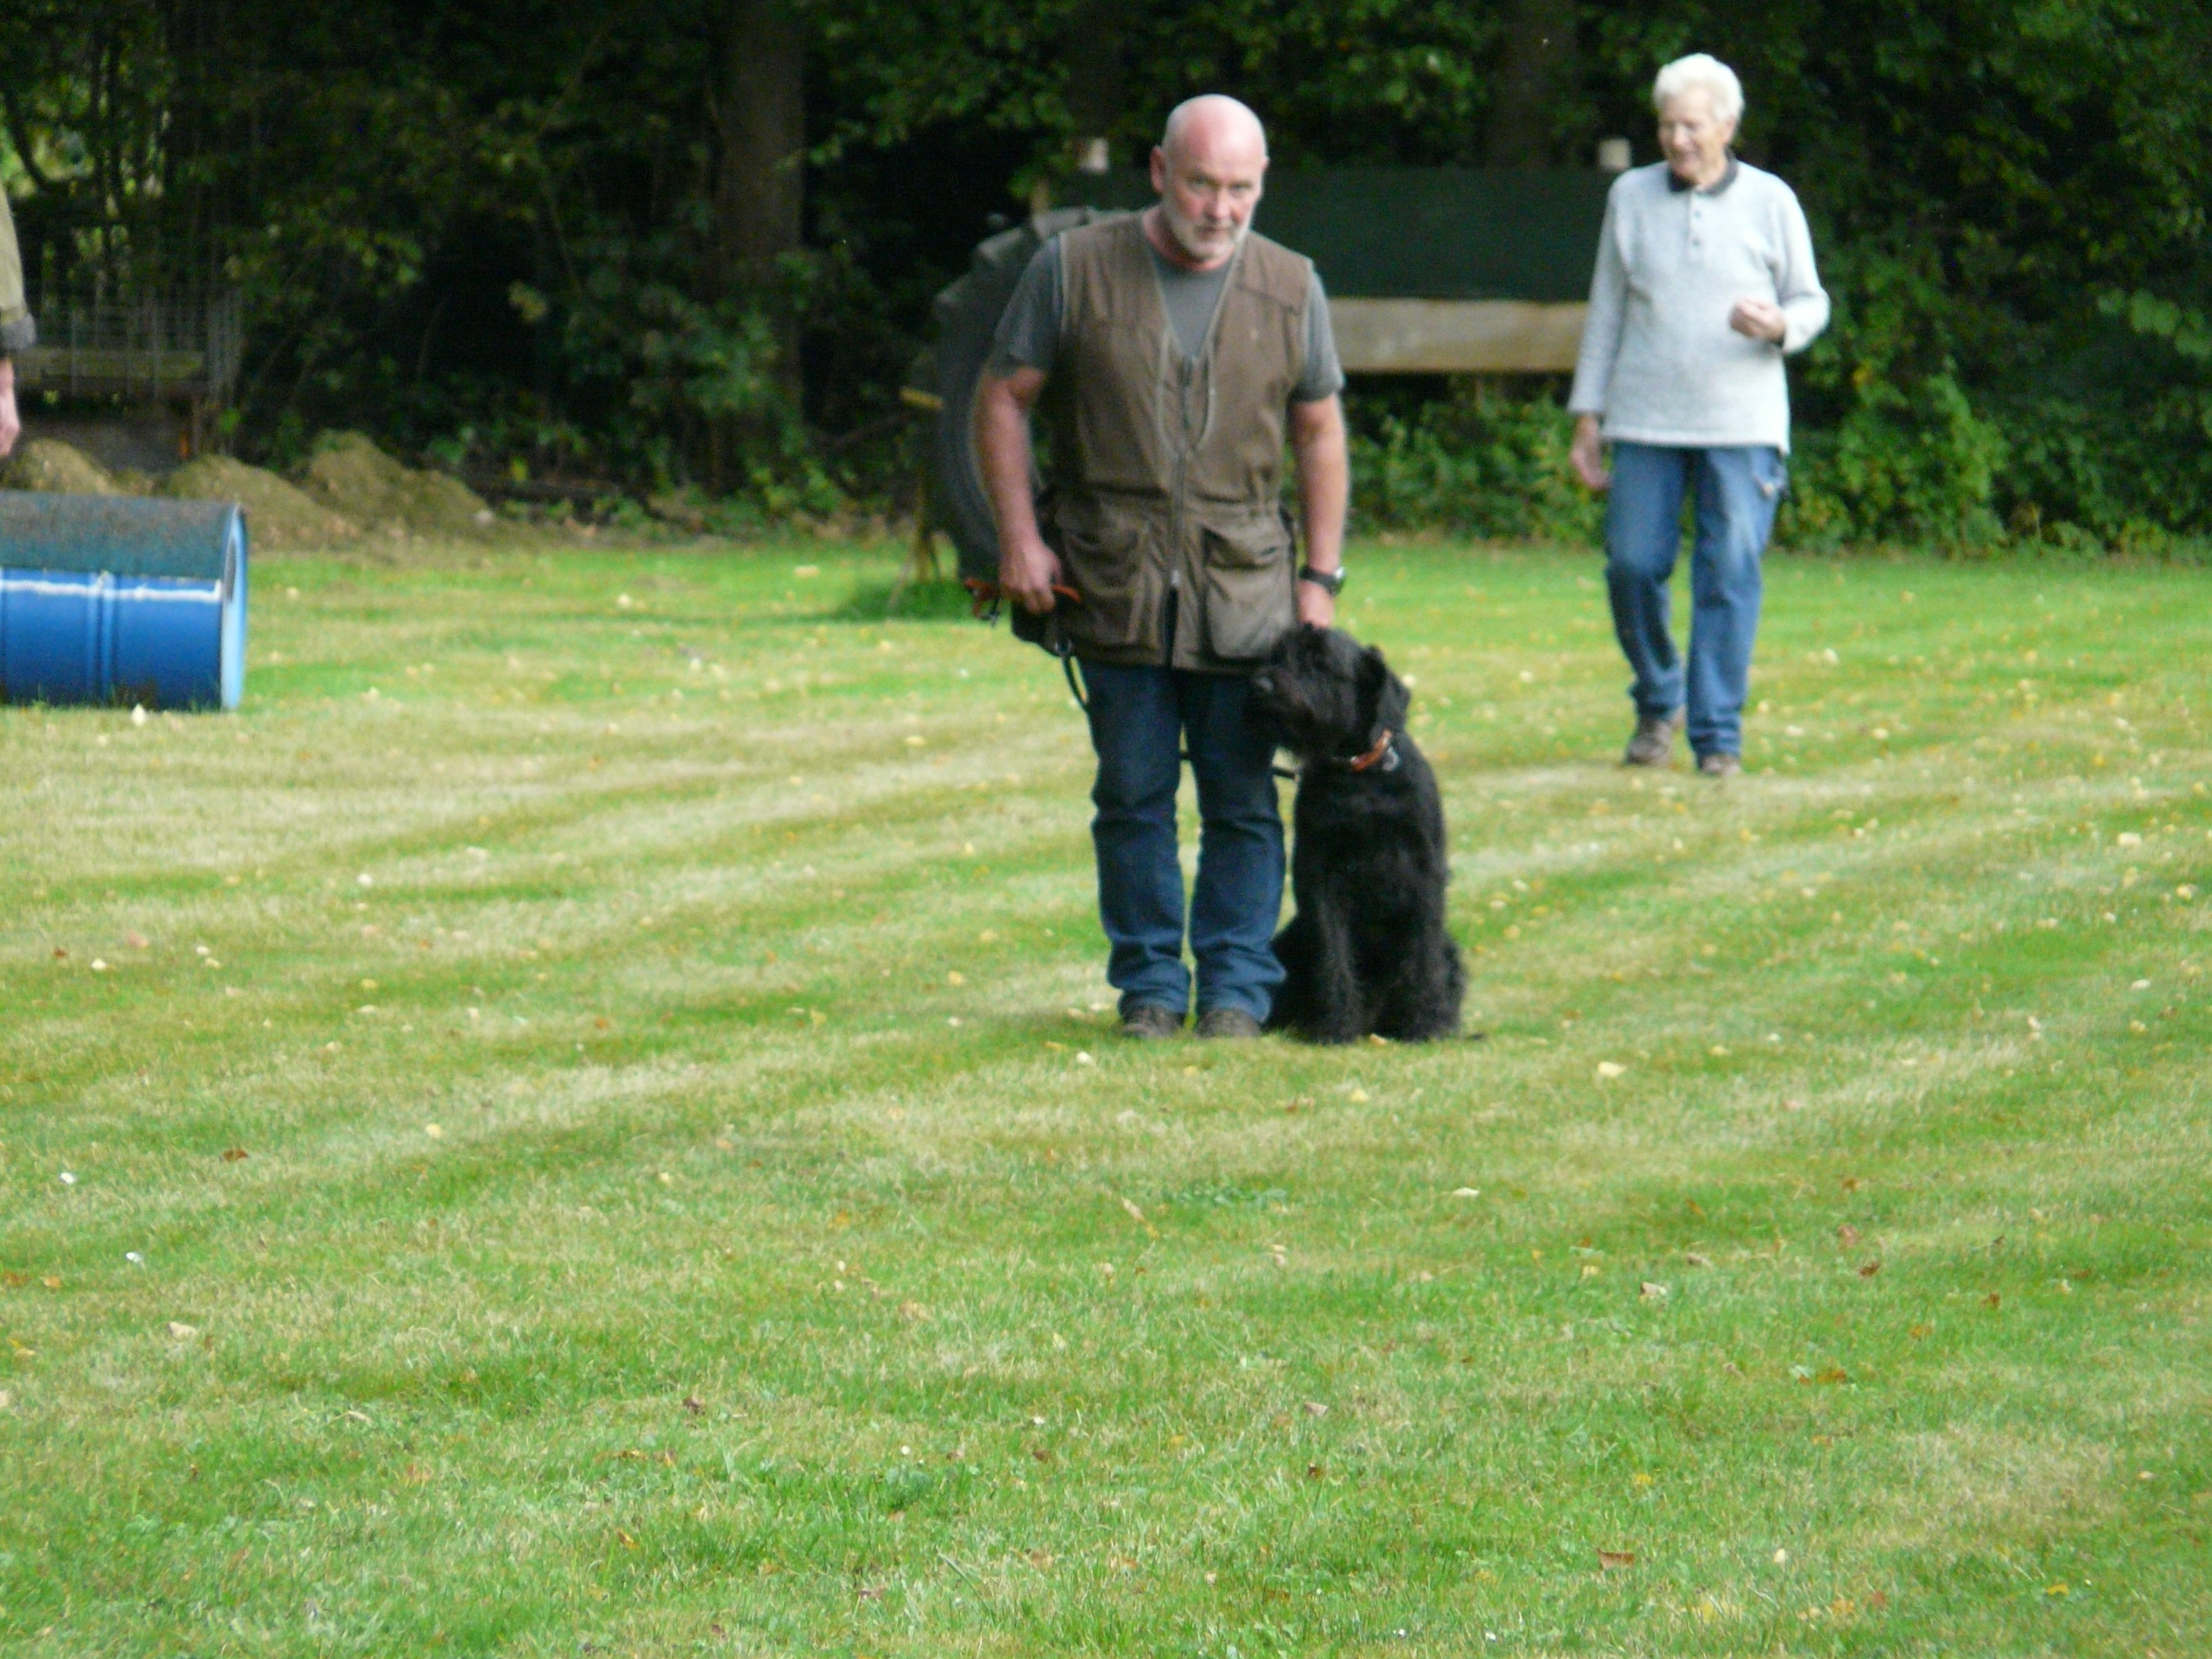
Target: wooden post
921, 565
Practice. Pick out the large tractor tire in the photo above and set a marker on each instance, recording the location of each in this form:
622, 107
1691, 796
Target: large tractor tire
966, 314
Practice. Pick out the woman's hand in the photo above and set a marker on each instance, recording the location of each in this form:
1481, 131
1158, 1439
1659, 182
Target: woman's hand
1588, 453
1762, 319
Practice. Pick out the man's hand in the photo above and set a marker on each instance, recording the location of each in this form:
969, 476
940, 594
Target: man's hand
11, 425
1588, 453
1317, 606
1762, 319
1027, 570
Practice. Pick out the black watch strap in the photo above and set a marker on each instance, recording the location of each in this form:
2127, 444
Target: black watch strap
1330, 582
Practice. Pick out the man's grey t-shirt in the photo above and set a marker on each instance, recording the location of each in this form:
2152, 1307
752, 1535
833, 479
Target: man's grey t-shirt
1028, 333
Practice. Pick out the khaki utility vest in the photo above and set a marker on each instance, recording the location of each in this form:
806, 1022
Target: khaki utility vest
1164, 479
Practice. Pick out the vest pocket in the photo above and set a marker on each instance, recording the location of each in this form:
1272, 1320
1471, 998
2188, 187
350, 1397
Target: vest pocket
1248, 596
1107, 564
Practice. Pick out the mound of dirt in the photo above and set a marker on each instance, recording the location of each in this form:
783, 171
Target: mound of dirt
53, 468
351, 476
279, 517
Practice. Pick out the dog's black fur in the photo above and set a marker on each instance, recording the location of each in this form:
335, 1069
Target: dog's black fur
1367, 951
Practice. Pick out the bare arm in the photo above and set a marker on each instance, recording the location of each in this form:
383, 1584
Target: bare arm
1027, 568
1325, 493
11, 425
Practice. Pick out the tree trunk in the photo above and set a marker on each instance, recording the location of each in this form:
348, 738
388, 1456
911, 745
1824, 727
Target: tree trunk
1540, 43
761, 132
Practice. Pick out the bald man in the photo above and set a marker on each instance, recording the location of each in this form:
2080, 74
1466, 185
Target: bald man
1171, 355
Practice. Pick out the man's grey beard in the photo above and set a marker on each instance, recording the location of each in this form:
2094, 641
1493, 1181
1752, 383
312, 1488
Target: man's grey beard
1179, 229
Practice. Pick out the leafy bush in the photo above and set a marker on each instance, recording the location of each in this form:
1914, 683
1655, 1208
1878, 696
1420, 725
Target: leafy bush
1478, 461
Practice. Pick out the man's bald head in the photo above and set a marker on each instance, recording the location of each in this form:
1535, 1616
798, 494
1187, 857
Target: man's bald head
1213, 121
1208, 170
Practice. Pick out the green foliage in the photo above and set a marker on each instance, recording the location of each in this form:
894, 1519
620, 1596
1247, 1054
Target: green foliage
498, 220
1479, 461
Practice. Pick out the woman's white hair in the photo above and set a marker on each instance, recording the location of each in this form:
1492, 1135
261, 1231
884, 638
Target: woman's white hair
1703, 70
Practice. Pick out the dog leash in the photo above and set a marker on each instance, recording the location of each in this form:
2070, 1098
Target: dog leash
987, 597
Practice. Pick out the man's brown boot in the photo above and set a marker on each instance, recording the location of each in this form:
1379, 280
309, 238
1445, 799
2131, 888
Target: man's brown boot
1233, 1024
1654, 742
1148, 1020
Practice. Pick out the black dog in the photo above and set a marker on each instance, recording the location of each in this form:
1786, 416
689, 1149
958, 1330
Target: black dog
1367, 951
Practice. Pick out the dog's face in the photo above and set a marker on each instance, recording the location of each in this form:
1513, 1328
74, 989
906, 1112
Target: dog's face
1324, 694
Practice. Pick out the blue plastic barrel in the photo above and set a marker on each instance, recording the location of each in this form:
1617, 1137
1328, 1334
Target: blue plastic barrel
120, 599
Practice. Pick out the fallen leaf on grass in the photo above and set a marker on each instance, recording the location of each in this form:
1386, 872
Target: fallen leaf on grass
1608, 1560
1466, 1192
1315, 1408
1653, 1292
235, 1155
1606, 1068
1847, 1235
693, 1404
135, 941
913, 1312
182, 1332
1870, 1269
1992, 1300
1135, 1214
1697, 1261
1041, 1559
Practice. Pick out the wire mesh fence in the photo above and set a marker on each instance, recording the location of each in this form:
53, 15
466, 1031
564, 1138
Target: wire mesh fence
153, 348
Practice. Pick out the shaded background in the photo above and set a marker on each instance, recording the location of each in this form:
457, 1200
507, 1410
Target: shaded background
689, 246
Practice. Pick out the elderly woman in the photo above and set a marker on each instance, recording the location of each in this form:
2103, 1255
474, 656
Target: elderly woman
1705, 281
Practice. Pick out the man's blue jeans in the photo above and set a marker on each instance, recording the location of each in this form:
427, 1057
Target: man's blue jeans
1137, 717
1737, 490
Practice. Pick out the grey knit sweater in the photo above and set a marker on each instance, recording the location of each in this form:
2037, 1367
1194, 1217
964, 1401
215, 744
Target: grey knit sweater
1659, 361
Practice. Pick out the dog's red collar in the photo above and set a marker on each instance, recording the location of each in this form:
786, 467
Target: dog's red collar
1381, 755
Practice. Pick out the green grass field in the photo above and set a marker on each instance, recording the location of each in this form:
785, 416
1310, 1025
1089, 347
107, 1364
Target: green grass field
587, 1119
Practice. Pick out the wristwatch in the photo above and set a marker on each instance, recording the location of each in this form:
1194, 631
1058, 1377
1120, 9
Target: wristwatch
1330, 582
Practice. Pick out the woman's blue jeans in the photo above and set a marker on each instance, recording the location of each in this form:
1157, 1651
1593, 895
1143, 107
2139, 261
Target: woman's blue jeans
1736, 490
1138, 719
